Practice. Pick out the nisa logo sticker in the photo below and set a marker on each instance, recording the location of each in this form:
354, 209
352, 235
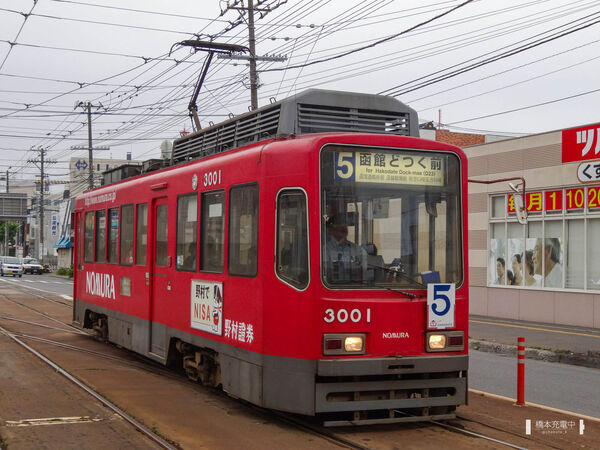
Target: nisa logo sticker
100, 284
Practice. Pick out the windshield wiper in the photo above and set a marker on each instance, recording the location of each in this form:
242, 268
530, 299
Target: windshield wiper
373, 284
398, 271
406, 293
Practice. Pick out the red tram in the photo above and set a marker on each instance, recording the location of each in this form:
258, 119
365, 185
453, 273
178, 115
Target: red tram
309, 256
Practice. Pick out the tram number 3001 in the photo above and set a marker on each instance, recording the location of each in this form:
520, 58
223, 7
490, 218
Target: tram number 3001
343, 315
212, 178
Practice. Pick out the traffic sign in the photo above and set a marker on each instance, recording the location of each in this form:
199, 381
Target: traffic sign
589, 171
81, 164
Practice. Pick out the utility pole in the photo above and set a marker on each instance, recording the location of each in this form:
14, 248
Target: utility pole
87, 106
40, 162
6, 223
252, 46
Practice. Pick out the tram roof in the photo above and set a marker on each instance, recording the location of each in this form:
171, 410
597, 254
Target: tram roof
311, 111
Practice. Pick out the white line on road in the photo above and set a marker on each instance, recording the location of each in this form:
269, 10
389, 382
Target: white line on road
18, 282
50, 421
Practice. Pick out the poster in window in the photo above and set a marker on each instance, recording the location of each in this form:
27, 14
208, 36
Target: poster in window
530, 276
547, 260
497, 262
514, 262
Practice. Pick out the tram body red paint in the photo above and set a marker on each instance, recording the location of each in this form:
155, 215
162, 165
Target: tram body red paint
272, 317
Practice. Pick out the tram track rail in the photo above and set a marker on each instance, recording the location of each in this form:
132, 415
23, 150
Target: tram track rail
465, 419
329, 435
128, 418
149, 366
69, 326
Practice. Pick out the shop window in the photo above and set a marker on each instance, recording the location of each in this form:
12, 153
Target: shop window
575, 251
499, 207
514, 256
555, 249
593, 254
497, 258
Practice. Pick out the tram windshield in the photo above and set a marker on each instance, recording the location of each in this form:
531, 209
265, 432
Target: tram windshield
390, 218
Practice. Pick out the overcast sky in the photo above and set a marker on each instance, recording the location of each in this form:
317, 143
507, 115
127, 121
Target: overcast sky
510, 67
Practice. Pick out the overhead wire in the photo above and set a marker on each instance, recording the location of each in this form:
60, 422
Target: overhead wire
26, 16
381, 41
208, 93
158, 13
522, 108
462, 67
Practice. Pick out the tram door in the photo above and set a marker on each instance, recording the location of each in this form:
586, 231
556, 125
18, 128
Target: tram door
159, 274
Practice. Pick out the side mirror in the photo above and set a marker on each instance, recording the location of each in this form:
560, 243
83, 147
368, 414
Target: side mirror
520, 210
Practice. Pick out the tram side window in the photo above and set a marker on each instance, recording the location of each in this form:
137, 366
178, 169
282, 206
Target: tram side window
162, 235
292, 238
88, 238
80, 242
126, 235
243, 230
141, 234
113, 236
187, 226
212, 247
100, 235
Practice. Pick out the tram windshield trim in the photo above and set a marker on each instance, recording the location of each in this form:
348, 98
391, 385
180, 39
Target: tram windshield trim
391, 218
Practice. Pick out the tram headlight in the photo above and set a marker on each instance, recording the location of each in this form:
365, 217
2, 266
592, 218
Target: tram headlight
445, 341
437, 341
354, 344
344, 344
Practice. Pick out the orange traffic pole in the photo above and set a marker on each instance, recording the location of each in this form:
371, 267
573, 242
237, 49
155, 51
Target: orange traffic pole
521, 372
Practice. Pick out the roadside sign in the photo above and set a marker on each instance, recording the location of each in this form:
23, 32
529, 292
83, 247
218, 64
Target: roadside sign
581, 144
441, 298
589, 171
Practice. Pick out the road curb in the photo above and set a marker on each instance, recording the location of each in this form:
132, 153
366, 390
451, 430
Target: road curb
589, 359
535, 405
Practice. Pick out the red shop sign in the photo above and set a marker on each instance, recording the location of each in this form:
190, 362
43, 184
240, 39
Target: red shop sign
580, 144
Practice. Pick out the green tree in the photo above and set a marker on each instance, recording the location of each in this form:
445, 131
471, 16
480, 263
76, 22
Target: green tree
13, 228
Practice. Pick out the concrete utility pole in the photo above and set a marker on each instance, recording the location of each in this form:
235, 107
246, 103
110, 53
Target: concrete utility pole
252, 47
87, 106
40, 162
254, 84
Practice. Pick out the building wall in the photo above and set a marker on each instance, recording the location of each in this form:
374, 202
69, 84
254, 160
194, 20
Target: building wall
538, 159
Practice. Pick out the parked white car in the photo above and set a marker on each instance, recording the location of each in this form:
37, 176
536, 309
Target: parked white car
31, 265
11, 265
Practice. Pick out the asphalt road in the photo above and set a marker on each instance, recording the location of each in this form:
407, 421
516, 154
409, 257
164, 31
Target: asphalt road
537, 335
40, 284
563, 386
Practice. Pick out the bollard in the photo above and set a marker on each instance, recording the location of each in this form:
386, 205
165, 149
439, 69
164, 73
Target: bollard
521, 372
